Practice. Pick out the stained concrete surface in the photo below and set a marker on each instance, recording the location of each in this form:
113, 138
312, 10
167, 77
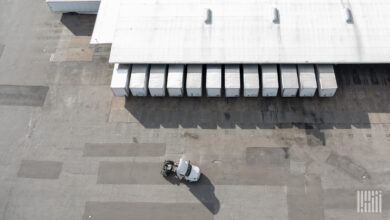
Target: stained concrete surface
23, 95
40, 169
263, 158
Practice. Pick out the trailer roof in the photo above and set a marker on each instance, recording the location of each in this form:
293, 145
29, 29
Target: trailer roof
245, 31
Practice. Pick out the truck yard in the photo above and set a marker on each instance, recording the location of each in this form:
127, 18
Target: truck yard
70, 149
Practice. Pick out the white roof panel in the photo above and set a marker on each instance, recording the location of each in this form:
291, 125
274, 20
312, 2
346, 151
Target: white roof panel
243, 31
103, 32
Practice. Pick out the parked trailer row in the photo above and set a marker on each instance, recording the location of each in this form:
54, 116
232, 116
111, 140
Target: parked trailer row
177, 80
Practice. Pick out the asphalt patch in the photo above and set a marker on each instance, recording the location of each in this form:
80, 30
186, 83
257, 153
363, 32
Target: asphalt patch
40, 169
23, 95
124, 150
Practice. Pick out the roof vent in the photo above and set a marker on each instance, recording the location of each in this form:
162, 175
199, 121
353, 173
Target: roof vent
276, 16
209, 16
349, 16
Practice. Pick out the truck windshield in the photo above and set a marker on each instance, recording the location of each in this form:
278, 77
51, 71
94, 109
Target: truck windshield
189, 168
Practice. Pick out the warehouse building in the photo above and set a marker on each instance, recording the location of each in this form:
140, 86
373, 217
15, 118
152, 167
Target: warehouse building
235, 48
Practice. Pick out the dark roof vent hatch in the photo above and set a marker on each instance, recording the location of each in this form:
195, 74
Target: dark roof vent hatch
209, 17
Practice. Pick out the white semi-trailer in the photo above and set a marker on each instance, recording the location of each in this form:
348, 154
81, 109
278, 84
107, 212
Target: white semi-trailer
175, 82
289, 80
213, 80
326, 79
307, 80
232, 80
78, 6
251, 80
120, 79
194, 80
269, 80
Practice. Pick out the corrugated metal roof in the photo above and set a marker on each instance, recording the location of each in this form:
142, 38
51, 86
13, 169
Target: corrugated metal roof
244, 31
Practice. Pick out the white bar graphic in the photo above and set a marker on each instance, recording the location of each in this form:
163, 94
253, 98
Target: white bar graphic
380, 202
362, 201
376, 202
365, 201
369, 201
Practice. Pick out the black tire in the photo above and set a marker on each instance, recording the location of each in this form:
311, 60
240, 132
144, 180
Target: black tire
167, 172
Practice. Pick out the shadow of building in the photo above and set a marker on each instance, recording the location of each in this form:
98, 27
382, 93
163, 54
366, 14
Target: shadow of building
79, 24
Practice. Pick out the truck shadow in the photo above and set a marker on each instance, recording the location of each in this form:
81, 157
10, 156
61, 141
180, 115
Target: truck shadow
203, 190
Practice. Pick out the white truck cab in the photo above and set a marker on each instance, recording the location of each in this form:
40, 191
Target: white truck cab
187, 171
